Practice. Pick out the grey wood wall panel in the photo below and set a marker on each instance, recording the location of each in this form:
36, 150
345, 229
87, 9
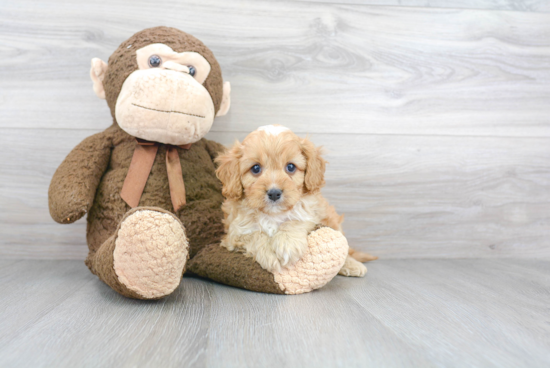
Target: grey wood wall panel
317, 67
418, 108
429, 197
403, 196
404, 313
512, 5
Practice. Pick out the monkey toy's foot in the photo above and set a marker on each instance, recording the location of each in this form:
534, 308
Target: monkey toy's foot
325, 256
146, 257
150, 253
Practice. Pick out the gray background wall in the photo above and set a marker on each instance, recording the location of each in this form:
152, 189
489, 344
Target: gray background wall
435, 115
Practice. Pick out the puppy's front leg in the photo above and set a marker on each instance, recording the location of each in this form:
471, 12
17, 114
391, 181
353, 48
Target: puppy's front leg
257, 245
290, 242
262, 250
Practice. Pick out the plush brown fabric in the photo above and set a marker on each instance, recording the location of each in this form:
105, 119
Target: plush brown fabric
101, 262
123, 61
74, 184
91, 178
98, 166
201, 216
231, 268
140, 167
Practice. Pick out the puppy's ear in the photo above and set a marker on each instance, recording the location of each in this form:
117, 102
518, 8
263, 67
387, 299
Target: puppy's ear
229, 172
315, 166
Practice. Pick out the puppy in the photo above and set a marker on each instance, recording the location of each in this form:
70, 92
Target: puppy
272, 185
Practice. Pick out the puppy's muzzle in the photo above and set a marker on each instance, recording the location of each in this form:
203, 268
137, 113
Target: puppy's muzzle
274, 194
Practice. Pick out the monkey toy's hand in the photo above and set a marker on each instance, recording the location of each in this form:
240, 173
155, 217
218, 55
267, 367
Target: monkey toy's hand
75, 181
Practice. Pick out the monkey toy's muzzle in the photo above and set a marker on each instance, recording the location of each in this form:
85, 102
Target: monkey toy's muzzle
164, 106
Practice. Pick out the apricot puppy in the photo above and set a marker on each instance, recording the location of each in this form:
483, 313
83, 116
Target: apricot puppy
272, 184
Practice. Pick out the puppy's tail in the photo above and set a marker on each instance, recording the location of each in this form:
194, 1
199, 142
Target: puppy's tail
361, 256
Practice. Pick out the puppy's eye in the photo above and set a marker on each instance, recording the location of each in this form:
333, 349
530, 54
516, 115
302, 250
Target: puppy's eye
154, 61
290, 168
256, 169
192, 70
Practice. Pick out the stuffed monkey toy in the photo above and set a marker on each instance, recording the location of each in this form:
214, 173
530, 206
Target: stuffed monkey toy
148, 184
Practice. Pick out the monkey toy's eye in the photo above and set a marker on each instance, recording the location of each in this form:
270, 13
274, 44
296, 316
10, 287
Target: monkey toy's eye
256, 169
192, 70
154, 61
290, 168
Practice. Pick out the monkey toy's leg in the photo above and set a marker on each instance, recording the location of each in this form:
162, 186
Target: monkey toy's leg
326, 254
145, 257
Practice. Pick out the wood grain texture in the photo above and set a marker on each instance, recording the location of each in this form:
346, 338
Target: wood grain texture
49, 284
431, 197
511, 5
423, 313
402, 196
315, 67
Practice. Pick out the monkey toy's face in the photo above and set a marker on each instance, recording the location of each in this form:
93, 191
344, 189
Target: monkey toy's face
171, 93
164, 100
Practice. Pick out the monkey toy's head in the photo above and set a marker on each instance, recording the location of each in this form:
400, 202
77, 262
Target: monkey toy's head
162, 85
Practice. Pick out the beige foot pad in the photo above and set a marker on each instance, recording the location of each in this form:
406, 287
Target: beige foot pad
150, 253
325, 256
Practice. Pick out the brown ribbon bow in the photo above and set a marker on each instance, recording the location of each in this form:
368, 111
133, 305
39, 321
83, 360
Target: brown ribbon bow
140, 167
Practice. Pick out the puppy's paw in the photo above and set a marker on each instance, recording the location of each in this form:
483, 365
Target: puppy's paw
353, 268
268, 260
290, 243
289, 252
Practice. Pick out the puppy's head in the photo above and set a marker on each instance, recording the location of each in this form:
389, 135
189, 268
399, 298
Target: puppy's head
271, 169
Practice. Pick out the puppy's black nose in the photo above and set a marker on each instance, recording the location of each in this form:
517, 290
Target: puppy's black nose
274, 194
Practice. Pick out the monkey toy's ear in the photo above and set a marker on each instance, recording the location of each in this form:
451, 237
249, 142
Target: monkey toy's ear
226, 100
97, 73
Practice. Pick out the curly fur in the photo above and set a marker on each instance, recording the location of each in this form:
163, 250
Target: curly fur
274, 233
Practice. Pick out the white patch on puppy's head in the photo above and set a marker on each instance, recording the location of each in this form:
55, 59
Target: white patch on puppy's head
273, 129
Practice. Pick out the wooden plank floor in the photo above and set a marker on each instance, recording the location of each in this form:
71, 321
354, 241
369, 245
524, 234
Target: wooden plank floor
423, 313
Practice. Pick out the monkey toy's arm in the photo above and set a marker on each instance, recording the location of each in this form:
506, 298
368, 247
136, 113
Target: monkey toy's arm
75, 181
